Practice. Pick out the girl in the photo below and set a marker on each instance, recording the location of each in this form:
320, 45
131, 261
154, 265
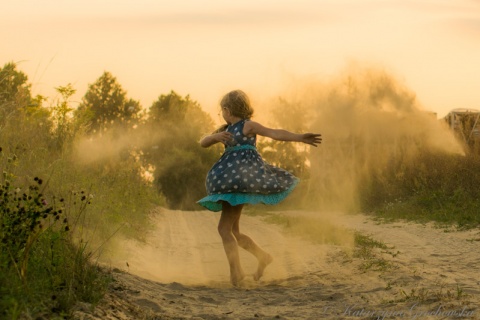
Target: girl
241, 176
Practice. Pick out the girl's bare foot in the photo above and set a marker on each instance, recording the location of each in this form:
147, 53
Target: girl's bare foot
236, 277
262, 264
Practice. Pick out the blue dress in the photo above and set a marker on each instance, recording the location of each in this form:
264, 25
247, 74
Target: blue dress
241, 176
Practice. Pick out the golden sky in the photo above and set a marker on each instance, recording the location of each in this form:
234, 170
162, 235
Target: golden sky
206, 48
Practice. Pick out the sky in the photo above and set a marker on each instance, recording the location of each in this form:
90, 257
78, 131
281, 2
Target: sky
207, 48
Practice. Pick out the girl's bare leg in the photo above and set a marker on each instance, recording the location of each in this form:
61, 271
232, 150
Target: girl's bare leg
244, 241
230, 214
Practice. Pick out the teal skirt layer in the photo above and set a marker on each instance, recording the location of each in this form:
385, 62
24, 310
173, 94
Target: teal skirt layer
213, 202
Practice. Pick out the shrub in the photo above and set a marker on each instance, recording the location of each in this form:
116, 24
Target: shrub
42, 270
432, 186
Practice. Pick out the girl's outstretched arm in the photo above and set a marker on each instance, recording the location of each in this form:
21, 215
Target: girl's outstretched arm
252, 127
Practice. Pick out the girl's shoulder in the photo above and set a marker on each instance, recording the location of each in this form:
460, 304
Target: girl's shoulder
249, 128
248, 124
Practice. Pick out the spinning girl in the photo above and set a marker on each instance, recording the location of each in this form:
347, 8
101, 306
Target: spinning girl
242, 177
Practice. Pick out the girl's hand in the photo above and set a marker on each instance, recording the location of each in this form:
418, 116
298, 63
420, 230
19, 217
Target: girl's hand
223, 137
312, 138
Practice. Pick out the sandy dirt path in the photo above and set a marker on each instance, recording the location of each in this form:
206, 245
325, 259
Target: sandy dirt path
180, 272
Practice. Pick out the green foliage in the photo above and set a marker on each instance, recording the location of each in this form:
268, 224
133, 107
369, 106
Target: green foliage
171, 108
121, 198
180, 163
432, 186
18, 110
21, 217
42, 271
45, 271
62, 117
14, 89
105, 105
366, 248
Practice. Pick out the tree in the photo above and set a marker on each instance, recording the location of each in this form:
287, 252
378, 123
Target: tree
105, 105
181, 165
63, 129
14, 90
13, 84
24, 122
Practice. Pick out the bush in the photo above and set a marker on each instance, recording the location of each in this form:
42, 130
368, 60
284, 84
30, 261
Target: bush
432, 186
42, 270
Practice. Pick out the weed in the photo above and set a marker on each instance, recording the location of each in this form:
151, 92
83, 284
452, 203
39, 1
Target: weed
433, 187
371, 260
442, 293
43, 271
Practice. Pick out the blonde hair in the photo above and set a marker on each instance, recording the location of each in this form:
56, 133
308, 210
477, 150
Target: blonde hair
238, 103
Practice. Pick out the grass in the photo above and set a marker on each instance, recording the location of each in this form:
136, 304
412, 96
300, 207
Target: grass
441, 293
56, 217
44, 271
438, 188
424, 208
371, 251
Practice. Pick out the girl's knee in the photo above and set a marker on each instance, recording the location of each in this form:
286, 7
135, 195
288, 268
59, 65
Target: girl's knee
236, 234
224, 231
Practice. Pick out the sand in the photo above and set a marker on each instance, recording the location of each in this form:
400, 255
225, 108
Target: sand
180, 272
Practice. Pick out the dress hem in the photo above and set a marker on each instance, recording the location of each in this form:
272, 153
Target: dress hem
213, 202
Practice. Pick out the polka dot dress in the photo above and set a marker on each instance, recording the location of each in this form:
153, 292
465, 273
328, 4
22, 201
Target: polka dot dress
241, 176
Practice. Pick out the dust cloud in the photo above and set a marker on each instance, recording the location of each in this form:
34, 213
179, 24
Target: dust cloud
367, 119
112, 145
184, 247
